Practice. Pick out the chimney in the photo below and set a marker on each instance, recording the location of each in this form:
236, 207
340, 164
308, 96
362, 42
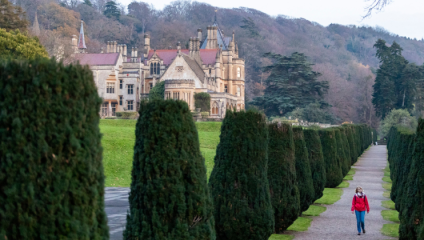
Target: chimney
74, 43
178, 47
190, 46
107, 46
125, 52
115, 46
199, 34
146, 40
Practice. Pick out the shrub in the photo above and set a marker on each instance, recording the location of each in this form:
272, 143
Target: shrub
397, 117
158, 91
238, 183
303, 170
202, 100
329, 149
344, 163
282, 176
351, 143
126, 115
316, 160
14, 44
346, 146
204, 114
51, 172
169, 198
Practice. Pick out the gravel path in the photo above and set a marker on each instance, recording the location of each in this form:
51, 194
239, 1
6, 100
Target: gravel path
116, 206
338, 222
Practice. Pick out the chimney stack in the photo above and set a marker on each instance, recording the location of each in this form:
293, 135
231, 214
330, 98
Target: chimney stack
74, 43
178, 47
199, 34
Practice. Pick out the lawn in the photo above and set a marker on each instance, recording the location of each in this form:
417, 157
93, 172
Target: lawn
301, 224
388, 204
344, 184
390, 215
314, 210
331, 195
391, 229
118, 148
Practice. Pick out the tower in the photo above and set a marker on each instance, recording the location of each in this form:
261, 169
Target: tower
81, 41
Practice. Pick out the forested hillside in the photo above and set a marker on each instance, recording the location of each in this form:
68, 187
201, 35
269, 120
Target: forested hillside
344, 55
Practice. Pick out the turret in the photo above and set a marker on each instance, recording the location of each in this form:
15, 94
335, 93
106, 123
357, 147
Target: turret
81, 42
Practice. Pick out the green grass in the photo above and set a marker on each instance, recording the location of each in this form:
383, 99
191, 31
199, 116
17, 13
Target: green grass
391, 230
388, 204
352, 172
281, 237
387, 173
301, 224
314, 210
331, 195
118, 148
348, 177
386, 194
390, 215
344, 184
387, 186
387, 179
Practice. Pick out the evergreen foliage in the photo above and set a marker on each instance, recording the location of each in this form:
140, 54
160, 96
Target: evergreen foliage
88, 3
316, 160
158, 91
51, 172
12, 17
342, 159
169, 197
111, 10
202, 100
412, 208
332, 166
398, 117
303, 170
282, 175
352, 144
238, 183
374, 136
292, 84
313, 112
346, 147
16, 45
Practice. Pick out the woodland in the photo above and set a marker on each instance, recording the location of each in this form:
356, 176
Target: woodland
343, 55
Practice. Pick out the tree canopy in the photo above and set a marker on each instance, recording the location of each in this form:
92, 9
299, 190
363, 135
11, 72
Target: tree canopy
291, 84
14, 44
111, 10
12, 17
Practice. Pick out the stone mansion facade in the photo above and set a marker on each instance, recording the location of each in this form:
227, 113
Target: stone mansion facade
210, 64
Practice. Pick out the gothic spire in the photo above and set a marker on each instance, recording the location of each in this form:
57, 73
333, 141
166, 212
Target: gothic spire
36, 26
81, 41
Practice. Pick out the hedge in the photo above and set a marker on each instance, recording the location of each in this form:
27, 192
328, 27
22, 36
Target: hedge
202, 100
332, 166
51, 172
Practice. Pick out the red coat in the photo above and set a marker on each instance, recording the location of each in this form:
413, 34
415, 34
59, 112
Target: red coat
360, 204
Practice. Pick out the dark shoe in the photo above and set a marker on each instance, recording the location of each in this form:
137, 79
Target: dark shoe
363, 230
359, 233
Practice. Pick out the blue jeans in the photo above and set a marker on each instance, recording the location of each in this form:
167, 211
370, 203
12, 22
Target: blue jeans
360, 220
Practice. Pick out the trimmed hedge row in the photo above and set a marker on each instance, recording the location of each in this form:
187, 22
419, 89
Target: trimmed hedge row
406, 158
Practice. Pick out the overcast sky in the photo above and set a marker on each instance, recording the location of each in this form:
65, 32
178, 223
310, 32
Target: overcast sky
402, 17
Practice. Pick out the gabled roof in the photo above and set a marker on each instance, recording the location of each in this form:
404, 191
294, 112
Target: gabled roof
208, 56
97, 59
195, 67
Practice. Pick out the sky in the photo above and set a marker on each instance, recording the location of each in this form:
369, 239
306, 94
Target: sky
401, 17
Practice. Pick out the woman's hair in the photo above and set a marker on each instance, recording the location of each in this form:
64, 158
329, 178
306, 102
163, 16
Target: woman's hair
357, 188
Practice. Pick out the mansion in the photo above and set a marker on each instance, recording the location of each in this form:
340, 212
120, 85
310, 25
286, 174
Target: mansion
211, 64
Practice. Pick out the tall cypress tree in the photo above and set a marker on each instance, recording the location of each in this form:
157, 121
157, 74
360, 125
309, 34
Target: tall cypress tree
351, 141
282, 176
329, 149
169, 197
238, 182
346, 147
303, 170
403, 174
51, 171
343, 161
316, 159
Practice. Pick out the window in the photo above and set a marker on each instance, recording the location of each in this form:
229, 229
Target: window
113, 109
130, 89
225, 88
104, 109
214, 108
210, 71
130, 105
167, 95
238, 73
238, 91
158, 69
110, 87
150, 86
120, 84
151, 68
120, 100
176, 96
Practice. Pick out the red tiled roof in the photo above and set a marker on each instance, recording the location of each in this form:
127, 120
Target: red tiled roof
96, 59
208, 56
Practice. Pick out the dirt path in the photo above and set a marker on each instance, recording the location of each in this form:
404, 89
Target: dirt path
338, 222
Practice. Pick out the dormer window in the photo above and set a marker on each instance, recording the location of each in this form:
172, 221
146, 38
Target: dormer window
155, 68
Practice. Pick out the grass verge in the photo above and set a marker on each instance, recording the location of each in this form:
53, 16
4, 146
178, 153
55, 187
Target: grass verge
344, 184
314, 210
331, 195
386, 194
391, 230
301, 224
348, 177
281, 237
387, 186
352, 172
387, 179
390, 215
388, 204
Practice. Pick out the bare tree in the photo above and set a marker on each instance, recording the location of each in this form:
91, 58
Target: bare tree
376, 5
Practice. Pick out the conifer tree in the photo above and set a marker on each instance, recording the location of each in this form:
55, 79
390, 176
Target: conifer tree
169, 197
346, 147
343, 161
282, 175
352, 144
51, 171
12, 17
403, 175
412, 212
316, 160
329, 149
303, 170
238, 183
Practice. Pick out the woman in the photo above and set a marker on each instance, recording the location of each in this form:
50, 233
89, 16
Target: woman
359, 205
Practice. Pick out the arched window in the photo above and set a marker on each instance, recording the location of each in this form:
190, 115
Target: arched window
214, 108
158, 69
154, 68
151, 68
238, 73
